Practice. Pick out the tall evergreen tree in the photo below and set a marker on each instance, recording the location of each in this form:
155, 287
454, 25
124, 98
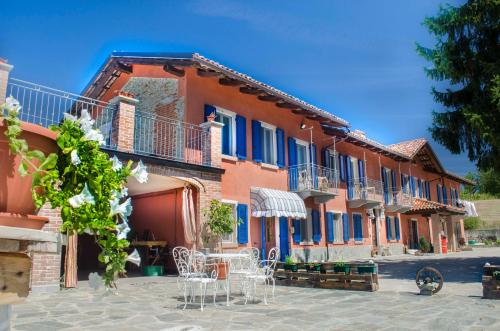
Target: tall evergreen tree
466, 61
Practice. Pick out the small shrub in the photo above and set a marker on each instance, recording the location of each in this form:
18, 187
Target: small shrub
498, 242
471, 223
425, 246
488, 242
289, 260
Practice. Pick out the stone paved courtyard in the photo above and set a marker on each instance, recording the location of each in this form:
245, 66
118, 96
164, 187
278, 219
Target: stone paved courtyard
154, 304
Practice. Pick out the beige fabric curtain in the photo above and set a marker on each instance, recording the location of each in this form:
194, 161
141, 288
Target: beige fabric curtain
188, 216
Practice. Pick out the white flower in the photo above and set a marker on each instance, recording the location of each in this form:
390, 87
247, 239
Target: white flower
88, 231
134, 258
124, 192
117, 165
123, 210
140, 173
12, 103
86, 121
119, 194
84, 197
94, 135
122, 230
74, 157
69, 117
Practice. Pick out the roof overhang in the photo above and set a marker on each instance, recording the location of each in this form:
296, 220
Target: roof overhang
175, 63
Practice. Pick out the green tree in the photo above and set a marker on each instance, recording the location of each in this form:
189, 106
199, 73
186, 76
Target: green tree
487, 185
466, 60
220, 220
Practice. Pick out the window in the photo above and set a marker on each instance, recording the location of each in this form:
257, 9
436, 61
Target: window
388, 177
231, 238
306, 228
355, 169
390, 227
228, 130
338, 228
357, 224
302, 152
268, 134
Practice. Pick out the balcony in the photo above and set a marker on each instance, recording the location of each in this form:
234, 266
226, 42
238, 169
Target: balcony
398, 201
153, 135
365, 193
314, 181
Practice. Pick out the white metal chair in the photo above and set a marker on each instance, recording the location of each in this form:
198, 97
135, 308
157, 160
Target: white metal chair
243, 266
201, 279
264, 274
180, 253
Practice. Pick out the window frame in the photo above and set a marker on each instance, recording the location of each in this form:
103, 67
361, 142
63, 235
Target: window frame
306, 229
272, 128
306, 145
337, 238
232, 116
234, 235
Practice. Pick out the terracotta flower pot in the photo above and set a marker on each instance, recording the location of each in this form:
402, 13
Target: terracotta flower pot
15, 191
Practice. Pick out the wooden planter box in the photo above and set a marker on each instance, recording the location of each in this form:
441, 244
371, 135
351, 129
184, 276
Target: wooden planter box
491, 285
327, 278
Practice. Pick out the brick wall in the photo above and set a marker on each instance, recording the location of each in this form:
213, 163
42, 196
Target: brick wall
46, 268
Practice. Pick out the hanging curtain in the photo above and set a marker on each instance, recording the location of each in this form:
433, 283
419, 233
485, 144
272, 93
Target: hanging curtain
188, 216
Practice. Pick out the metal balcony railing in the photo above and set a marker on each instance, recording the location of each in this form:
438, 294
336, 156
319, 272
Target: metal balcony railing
171, 139
309, 177
365, 189
398, 198
153, 135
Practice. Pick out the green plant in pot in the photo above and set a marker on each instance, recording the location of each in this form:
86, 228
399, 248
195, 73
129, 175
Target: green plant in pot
313, 266
341, 266
290, 264
82, 181
496, 275
367, 269
220, 221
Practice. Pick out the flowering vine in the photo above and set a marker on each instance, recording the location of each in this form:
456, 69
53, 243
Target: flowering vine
81, 180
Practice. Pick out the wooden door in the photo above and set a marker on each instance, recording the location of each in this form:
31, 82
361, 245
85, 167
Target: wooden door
374, 233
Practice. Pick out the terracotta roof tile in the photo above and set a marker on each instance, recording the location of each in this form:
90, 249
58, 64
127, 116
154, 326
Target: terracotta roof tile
409, 147
422, 205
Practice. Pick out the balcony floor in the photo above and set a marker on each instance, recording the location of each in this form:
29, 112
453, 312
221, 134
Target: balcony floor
365, 203
319, 196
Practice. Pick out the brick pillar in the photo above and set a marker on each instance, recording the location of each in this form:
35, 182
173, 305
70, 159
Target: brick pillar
46, 267
5, 69
215, 129
124, 122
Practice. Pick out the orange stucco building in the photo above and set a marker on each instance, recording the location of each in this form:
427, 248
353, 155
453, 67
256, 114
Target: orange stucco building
358, 197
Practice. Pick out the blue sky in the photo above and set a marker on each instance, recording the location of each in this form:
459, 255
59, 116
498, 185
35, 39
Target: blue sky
355, 59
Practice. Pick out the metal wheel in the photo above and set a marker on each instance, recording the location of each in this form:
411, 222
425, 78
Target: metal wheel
429, 276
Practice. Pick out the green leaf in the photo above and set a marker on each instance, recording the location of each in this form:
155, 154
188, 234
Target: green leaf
36, 154
23, 169
50, 162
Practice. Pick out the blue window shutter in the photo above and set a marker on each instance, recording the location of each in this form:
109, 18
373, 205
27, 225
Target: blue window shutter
242, 211
325, 155
394, 184
241, 137
316, 226
280, 147
396, 228
349, 178
388, 227
412, 186
361, 172
329, 227
438, 192
313, 155
256, 141
209, 109
419, 183
403, 182
345, 225
445, 195
296, 231
385, 184
358, 227
293, 173
342, 167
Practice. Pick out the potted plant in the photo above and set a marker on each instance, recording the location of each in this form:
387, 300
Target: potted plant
496, 275
290, 264
220, 221
313, 266
341, 266
80, 179
367, 269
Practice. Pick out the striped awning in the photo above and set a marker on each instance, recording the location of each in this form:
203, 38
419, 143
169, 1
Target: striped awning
274, 203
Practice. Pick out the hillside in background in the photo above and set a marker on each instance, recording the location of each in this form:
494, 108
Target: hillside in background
489, 212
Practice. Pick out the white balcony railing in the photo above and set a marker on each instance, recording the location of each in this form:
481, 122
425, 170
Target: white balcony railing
308, 177
365, 189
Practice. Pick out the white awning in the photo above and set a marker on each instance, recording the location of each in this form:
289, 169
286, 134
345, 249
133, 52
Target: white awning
274, 203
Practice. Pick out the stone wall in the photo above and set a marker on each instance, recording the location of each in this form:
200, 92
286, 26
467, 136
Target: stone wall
481, 234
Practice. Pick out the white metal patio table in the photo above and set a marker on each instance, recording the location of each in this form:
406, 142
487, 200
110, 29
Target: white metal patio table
227, 257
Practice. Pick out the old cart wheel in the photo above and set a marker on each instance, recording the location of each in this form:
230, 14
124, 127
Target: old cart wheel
429, 276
